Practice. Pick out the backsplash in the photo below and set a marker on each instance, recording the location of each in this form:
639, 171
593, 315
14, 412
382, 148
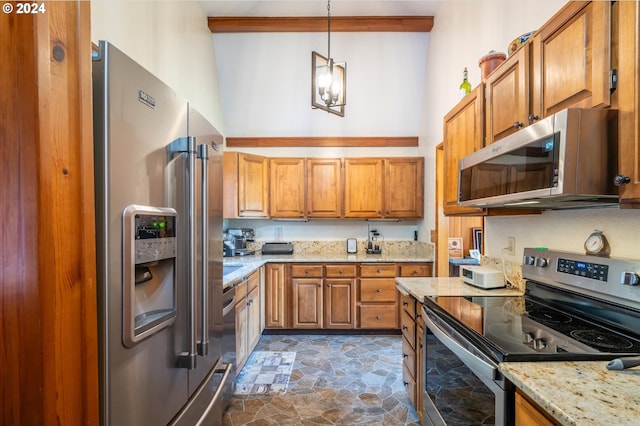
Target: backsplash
410, 248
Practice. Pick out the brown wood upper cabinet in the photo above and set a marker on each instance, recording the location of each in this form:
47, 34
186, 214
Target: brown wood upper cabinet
463, 134
377, 188
565, 64
287, 197
246, 185
324, 187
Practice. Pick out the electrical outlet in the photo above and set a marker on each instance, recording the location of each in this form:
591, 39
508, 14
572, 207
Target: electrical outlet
511, 246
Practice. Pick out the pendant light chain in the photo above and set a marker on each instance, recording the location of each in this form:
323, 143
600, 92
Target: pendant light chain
328, 28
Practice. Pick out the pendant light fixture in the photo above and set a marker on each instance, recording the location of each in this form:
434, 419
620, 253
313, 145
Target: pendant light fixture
328, 78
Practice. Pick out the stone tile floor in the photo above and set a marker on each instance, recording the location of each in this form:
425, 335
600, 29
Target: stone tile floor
336, 380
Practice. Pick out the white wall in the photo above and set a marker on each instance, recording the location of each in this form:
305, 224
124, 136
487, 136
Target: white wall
169, 38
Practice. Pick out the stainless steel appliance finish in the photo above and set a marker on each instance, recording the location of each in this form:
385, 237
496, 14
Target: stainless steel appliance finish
158, 192
575, 307
567, 160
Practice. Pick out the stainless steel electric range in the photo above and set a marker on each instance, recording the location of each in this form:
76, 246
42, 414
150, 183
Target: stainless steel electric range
575, 307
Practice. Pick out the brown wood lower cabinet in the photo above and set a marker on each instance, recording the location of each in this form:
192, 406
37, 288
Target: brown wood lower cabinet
528, 413
248, 321
336, 295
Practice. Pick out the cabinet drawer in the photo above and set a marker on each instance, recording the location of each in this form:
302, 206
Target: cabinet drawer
408, 304
417, 270
306, 271
241, 290
409, 385
408, 327
378, 270
378, 316
409, 357
253, 281
377, 290
340, 271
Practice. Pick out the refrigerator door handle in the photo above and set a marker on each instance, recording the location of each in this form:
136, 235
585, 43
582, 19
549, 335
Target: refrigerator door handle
180, 146
203, 344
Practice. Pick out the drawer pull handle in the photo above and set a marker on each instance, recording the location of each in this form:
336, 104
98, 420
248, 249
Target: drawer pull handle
405, 303
405, 383
405, 355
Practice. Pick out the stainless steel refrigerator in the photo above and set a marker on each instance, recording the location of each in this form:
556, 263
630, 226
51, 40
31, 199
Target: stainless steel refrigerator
166, 324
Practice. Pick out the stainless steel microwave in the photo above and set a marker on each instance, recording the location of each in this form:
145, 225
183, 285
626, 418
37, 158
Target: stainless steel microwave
566, 160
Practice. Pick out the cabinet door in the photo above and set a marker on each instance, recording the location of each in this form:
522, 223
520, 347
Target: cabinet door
286, 194
307, 302
403, 187
506, 94
242, 351
628, 14
253, 319
253, 186
572, 58
363, 187
324, 187
274, 295
463, 134
339, 303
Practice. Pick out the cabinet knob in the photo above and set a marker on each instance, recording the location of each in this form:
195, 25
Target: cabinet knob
405, 303
517, 125
404, 327
378, 317
340, 271
405, 383
320, 285
405, 355
620, 180
533, 117
378, 290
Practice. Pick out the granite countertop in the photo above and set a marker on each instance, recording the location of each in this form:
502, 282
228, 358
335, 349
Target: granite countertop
579, 393
448, 286
250, 263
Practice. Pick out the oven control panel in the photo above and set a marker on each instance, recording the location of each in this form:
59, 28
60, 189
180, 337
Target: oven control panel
594, 271
616, 280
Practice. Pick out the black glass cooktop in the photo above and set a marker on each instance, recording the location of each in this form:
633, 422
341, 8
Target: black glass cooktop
554, 326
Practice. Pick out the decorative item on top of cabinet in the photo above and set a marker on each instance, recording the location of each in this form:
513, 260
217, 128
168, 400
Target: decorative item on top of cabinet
246, 185
287, 187
572, 59
627, 16
463, 134
377, 298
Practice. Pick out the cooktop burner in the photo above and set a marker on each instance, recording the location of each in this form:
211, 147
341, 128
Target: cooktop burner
602, 339
548, 316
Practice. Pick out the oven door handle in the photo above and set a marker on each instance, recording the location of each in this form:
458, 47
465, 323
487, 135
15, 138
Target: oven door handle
484, 370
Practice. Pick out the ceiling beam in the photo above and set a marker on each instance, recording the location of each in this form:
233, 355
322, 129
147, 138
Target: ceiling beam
243, 24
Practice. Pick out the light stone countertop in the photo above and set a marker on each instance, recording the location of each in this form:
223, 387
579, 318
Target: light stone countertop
579, 393
448, 286
250, 263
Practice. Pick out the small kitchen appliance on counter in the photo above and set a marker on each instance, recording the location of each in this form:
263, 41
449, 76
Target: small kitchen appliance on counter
277, 248
235, 241
482, 276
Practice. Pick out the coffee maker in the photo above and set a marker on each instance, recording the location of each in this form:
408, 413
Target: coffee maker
235, 241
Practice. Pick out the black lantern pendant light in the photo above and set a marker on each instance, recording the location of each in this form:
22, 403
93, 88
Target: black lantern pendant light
328, 78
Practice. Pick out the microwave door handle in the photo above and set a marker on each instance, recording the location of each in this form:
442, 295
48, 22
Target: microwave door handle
181, 146
485, 371
203, 344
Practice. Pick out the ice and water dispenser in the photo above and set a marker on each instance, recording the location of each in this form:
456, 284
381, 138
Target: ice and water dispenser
149, 271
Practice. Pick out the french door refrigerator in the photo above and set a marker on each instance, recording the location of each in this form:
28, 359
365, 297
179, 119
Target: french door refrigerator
166, 354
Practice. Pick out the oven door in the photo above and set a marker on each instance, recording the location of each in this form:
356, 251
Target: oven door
462, 385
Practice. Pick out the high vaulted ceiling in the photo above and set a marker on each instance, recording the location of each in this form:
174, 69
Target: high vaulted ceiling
319, 7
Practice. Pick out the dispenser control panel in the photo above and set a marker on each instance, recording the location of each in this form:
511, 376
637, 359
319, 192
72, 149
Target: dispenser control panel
155, 237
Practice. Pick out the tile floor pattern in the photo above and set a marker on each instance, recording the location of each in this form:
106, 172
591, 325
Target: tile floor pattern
336, 380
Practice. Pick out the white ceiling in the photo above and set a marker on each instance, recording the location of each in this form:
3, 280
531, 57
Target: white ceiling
319, 7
